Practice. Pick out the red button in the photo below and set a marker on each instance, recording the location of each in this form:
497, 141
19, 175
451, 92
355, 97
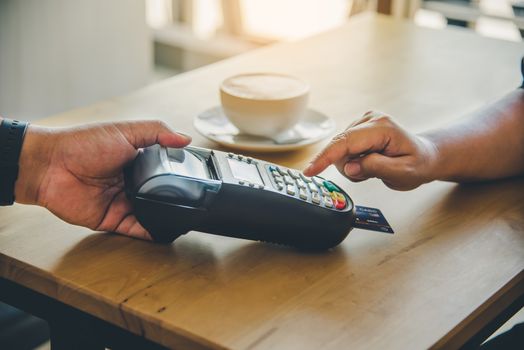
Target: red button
339, 196
340, 204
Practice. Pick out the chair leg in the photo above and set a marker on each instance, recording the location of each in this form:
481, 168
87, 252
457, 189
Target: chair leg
74, 334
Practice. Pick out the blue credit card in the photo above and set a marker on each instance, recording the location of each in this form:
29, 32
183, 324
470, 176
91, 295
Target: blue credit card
371, 219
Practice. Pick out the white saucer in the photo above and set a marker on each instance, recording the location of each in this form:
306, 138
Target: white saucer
214, 125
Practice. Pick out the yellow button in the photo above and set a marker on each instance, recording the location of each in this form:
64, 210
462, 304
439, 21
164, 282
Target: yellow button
339, 196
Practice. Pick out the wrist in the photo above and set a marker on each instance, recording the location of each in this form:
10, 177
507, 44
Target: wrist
432, 158
34, 161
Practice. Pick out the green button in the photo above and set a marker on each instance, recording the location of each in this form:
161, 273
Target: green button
330, 186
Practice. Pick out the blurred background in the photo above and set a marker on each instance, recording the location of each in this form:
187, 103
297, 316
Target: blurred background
56, 55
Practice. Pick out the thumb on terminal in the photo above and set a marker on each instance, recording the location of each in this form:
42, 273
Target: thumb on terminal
146, 133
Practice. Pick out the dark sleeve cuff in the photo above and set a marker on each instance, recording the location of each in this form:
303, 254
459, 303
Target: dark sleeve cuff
522, 72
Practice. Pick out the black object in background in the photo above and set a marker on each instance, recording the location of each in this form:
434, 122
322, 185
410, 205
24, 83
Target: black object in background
518, 8
20, 330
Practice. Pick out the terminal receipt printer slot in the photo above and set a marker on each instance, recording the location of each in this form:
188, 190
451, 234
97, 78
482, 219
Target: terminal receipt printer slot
175, 191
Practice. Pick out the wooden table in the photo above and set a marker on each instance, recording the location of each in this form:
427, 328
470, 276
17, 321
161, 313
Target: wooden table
453, 269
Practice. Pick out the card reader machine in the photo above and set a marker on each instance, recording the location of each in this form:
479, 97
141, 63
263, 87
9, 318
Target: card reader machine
174, 191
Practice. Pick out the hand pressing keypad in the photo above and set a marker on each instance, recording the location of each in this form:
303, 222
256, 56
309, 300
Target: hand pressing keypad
315, 190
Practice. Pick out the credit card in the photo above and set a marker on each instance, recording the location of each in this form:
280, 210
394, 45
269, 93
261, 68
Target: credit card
371, 219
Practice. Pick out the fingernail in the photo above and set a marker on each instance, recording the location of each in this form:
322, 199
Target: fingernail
352, 168
189, 138
308, 168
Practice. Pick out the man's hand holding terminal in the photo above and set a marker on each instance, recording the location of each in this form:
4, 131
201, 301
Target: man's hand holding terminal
77, 173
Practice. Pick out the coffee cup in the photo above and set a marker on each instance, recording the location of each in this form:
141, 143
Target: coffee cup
264, 104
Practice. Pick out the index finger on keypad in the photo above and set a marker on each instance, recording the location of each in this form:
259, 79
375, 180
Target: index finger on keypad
352, 143
336, 150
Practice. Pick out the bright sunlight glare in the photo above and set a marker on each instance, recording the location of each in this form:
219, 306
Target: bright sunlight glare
291, 19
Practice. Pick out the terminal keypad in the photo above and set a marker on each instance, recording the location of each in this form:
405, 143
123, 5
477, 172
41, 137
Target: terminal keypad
314, 190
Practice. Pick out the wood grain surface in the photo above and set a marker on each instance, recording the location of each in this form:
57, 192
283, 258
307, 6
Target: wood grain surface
457, 256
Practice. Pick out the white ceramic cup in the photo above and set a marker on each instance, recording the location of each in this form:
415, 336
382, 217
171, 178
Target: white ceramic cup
264, 104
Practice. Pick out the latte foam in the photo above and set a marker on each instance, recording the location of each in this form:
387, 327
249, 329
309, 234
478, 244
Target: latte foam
264, 86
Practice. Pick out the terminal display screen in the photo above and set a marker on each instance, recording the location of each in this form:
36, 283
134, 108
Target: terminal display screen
245, 171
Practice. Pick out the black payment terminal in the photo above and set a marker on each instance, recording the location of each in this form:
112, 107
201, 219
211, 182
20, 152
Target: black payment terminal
175, 191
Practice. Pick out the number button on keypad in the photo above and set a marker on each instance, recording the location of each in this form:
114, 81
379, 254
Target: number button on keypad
293, 174
305, 178
315, 198
288, 179
301, 184
328, 202
302, 193
312, 188
282, 172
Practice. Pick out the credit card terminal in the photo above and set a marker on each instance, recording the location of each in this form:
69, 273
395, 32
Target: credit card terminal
175, 191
